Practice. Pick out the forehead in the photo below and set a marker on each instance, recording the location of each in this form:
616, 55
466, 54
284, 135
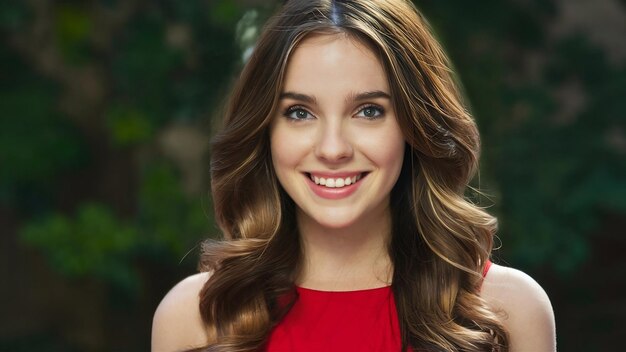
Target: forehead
334, 59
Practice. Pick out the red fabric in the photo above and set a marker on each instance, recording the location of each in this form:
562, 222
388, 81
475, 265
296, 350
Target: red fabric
363, 320
487, 266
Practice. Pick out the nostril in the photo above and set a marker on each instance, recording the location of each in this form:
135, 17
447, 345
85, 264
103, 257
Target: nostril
334, 152
332, 144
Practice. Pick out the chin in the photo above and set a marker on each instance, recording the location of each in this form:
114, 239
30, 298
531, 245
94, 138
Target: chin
334, 220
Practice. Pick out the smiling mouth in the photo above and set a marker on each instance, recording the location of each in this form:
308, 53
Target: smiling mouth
336, 182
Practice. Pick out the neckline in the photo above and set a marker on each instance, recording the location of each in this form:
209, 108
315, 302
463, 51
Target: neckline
363, 290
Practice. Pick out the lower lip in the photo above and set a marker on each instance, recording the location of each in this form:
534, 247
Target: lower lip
333, 193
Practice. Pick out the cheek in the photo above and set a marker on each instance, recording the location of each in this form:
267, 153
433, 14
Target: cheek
387, 150
286, 149
393, 159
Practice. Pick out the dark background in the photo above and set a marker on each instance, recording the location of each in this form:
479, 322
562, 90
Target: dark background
105, 117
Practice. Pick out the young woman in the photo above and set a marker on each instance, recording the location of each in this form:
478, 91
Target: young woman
338, 181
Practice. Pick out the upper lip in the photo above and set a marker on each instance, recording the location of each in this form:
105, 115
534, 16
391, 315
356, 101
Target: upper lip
342, 174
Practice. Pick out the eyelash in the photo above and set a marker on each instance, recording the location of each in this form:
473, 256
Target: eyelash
380, 109
292, 109
296, 108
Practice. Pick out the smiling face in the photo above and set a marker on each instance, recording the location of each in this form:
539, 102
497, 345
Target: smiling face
336, 145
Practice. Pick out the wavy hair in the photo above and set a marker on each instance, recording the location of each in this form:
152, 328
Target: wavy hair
440, 241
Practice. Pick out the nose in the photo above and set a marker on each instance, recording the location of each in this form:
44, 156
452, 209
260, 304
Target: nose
333, 143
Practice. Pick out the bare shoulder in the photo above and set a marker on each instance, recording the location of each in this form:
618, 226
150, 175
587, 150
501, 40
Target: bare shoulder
177, 324
524, 308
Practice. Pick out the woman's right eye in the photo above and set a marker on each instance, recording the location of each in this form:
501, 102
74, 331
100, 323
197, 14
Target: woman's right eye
297, 113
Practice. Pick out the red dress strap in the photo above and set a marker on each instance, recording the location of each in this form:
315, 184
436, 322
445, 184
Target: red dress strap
487, 266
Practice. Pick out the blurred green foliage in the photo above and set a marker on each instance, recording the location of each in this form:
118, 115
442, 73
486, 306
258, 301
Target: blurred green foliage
556, 179
73, 28
36, 143
96, 243
151, 66
167, 217
13, 14
91, 243
171, 61
128, 126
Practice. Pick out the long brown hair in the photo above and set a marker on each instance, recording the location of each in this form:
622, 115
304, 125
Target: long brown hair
440, 241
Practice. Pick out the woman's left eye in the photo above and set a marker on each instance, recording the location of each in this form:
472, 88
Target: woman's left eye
371, 112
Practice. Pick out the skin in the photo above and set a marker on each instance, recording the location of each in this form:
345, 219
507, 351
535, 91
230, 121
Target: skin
344, 240
321, 129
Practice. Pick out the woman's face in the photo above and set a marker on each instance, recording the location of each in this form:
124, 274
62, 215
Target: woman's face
336, 145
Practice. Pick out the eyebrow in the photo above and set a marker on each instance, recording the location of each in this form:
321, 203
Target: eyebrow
352, 97
299, 97
368, 95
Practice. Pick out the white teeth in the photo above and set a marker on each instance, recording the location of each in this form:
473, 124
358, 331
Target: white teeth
335, 182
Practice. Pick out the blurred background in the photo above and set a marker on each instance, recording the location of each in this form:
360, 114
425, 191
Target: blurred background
106, 110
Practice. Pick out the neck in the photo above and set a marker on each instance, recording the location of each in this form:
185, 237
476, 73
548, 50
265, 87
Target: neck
349, 258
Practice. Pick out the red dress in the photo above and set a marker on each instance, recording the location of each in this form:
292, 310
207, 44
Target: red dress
363, 320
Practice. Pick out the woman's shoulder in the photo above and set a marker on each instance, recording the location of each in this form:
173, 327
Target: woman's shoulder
177, 324
523, 307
